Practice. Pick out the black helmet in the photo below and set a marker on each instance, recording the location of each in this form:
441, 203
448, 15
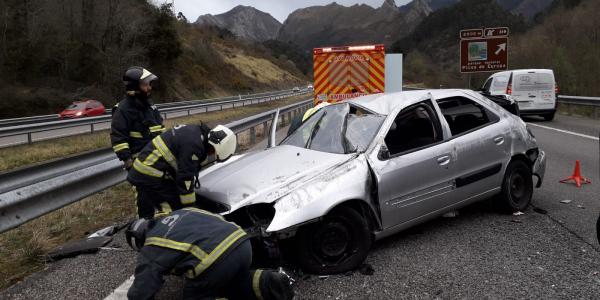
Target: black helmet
134, 75
136, 233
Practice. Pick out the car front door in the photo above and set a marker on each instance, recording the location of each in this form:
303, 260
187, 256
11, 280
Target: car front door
481, 139
414, 166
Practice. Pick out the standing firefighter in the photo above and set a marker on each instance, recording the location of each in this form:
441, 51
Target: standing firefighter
213, 255
165, 172
136, 121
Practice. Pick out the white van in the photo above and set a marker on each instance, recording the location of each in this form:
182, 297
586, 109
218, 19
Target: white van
534, 90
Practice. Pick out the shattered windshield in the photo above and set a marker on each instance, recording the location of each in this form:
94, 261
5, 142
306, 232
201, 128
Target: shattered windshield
340, 128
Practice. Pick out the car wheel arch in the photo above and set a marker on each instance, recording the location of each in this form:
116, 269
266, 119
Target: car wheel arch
364, 209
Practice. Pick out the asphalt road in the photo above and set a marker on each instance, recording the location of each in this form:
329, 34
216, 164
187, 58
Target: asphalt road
478, 255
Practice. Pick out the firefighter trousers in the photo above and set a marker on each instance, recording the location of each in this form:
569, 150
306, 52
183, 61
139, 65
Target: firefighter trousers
160, 196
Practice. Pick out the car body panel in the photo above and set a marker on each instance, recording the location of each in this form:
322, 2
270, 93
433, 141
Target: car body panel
265, 176
305, 185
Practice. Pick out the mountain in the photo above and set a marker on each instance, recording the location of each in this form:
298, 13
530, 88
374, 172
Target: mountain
245, 22
527, 8
335, 24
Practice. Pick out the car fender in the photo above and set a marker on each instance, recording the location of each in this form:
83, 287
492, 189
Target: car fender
348, 181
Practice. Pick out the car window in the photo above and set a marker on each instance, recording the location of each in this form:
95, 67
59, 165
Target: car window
338, 128
75, 106
415, 127
464, 114
499, 84
487, 85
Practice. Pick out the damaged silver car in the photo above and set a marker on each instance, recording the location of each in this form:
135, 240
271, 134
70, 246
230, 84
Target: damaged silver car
366, 168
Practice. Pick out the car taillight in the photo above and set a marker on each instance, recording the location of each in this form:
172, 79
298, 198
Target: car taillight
509, 89
556, 89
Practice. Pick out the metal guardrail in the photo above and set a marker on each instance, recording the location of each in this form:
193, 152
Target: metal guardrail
572, 101
29, 133
31, 192
56, 117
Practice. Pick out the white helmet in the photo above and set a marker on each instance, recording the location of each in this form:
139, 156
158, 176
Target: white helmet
224, 141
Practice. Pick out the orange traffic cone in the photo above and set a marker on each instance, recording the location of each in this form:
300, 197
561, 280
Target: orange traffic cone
577, 176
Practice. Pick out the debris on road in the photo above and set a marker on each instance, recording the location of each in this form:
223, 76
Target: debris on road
540, 211
581, 206
107, 231
84, 246
323, 277
518, 213
566, 201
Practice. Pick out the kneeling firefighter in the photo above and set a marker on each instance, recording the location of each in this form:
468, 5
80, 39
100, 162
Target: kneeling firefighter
165, 172
214, 256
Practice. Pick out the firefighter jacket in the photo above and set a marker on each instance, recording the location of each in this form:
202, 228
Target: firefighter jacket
199, 238
134, 124
175, 155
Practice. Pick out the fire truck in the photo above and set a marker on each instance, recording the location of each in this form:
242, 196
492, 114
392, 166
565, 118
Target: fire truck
346, 72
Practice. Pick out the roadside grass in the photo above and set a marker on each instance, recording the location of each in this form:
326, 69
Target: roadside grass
23, 250
578, 110
22, 155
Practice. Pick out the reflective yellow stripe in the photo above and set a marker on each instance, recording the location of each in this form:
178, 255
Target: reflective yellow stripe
164, 150
158, 128
152, 158
135, 134
188, 198
256, 284
194, 209
147, 170
185, 247
120, 147
308, 113
165, 207
218, 251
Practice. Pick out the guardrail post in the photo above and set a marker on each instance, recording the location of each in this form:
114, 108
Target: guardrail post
596, 112
29, 141
92, 128
265, 128
252, 136
221, 107
289, 114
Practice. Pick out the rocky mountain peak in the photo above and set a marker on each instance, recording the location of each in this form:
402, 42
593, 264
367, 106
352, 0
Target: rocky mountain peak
245, 22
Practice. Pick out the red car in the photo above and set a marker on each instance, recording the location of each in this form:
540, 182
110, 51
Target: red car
85, 108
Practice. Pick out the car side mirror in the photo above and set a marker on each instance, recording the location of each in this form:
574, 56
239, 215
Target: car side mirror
384, 153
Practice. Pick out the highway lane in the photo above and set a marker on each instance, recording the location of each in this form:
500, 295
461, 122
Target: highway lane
479, 254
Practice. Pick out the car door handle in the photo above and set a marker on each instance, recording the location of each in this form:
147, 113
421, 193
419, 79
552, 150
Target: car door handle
531, 96
443, 160
499, 140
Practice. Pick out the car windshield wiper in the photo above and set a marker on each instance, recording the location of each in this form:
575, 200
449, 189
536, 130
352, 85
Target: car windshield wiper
314, 132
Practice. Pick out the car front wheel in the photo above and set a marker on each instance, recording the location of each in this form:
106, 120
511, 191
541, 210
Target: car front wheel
337, 244
517, 187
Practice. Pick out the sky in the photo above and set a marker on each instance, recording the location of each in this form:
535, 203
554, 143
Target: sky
279, 9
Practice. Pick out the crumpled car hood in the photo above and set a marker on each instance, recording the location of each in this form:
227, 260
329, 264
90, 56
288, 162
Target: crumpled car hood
264, 176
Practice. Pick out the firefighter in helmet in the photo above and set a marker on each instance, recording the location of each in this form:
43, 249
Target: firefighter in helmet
135, 121
165, 172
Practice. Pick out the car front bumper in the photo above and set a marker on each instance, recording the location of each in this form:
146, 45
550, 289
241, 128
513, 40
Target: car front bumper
539, 168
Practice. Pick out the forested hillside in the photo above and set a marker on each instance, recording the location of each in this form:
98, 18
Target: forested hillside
54, 52
565, 37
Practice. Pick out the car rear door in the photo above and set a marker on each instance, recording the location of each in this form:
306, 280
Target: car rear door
530, 88
482, 144
414, 167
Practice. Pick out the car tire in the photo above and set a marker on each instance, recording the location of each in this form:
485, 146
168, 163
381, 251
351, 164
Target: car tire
517, 187
338, 243
548, 117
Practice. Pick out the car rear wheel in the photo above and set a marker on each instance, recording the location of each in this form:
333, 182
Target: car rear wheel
548, 117
339, 243
517, 187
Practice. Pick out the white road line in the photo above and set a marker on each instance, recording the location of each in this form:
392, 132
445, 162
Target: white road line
565, 131
121, 292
